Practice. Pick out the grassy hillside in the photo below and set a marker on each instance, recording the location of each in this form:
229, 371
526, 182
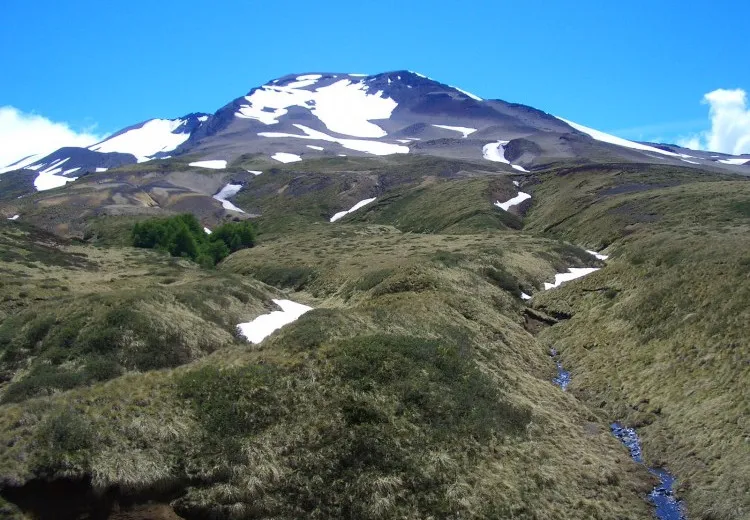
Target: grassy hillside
73, 315
411, 390
421, 395
414, 388
659, 338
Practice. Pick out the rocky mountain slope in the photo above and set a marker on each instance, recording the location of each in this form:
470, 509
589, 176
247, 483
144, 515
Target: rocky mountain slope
319, 115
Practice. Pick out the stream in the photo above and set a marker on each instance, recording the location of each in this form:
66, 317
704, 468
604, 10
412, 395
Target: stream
662, 496
562, 379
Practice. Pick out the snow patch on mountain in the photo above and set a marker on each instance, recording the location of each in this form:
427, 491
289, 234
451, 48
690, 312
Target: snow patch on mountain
472, 96
619, 141
463, 129
14, 217
286, 157
35, 166
154, 136
599, 256
572, 274
345, 107
22, 163
313, 147
300, 84
495, 152
361, 145
261, 327
514, 201
214, 164
230, 190
354, 208
51, 180
736, 162
52, 176
55, 166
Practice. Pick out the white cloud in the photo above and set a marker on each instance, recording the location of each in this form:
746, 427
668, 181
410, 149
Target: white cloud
730, 124
23, 134
692, 142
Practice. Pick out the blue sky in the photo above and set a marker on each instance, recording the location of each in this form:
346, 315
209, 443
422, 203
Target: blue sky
638, 69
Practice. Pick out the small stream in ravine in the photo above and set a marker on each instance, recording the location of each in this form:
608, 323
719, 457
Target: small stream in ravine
667, 506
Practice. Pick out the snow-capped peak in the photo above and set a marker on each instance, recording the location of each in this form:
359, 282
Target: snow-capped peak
150, 138
612, 139
345, 105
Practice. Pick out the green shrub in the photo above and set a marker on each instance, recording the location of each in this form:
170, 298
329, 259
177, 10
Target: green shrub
157, 350
431, 381
183, 236
38, 329
232, 401
13, 344
102, 368
66, 432
106, 334
503, 279
236, 235
572, 255
41, 380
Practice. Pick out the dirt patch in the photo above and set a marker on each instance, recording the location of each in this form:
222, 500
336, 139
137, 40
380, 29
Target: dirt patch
76, 499
146, 512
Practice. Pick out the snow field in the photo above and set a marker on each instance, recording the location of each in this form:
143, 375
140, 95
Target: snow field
514, 201
286, 157
354, 208
463, 129
261, 327
572, 274
345, 107
215, 164
599, 256
608, 138
230, 190
152, 137
361, 145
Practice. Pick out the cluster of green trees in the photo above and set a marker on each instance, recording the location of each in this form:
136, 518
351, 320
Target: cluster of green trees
183, 236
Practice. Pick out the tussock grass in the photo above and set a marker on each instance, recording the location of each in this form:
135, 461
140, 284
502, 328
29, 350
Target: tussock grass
83, 315
412, 390
657, 338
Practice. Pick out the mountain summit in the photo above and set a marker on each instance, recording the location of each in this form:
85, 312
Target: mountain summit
311, 115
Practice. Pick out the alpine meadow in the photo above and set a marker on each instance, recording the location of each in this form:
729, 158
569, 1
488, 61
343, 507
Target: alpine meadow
374, 297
